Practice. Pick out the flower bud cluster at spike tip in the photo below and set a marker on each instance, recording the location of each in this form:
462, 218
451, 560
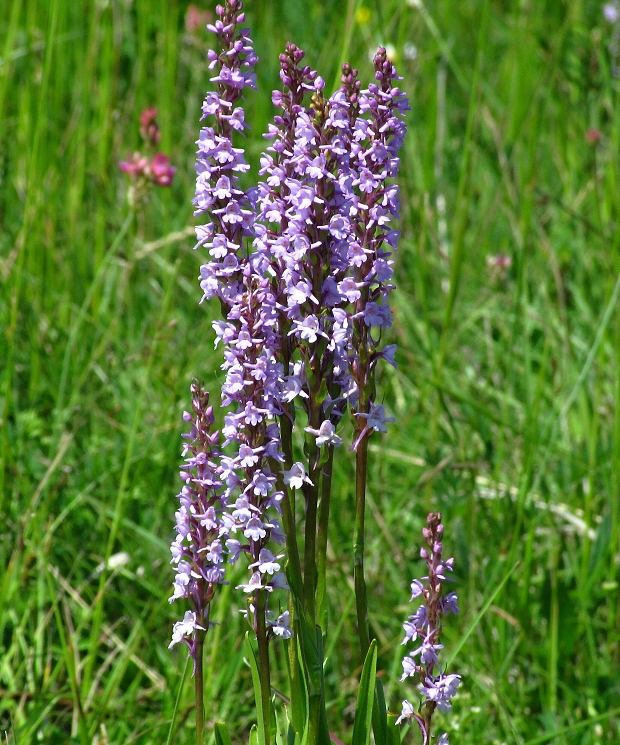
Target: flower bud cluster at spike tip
149, 128
424, 627
198, 549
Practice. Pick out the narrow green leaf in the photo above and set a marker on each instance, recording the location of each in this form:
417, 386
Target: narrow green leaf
222, 737
547, 737
392, 730
255, 735
298, 708
290, 735
322, 394
311, 659
260, 732
365, 698
296, 590
176, 702
274, 730
379, 715
323, 726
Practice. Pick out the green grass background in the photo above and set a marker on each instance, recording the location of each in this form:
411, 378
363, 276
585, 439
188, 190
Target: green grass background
507, 395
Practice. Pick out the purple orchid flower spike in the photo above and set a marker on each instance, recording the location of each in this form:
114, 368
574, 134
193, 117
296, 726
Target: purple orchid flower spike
197, 550
436, 686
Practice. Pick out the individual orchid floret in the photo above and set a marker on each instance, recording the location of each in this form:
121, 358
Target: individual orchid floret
281, 626
436, 686
375, 420
325, 434
296, 477
185, 628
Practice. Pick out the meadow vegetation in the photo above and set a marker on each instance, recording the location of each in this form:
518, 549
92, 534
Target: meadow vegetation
506, 396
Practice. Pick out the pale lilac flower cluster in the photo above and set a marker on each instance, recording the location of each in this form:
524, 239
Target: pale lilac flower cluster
252, 388
197, 551
324, 213
219, 164
611, 11
424, 626
294, 246
372, 132
302, 305
250, 334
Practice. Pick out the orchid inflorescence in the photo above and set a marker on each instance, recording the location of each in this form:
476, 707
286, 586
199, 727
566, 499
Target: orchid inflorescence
437, 687
301, 266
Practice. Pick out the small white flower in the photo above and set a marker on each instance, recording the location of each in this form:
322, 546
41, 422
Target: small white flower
326, 433
281, 626
186, 627
254, 584
267, 563
296, 476
410, 52
376, 418
407, 712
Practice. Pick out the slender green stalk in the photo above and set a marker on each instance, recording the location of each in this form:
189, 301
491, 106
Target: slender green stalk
288, 502
199, 687
326, 488
313, 720
288, 506
361, 601
120, 496
310, 576
263, 662
311, 493
177, 701
614, 615
30, 208
288, 518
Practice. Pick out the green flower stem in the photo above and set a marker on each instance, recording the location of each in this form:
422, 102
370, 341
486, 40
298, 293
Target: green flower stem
326, 488
288, 506
310, 551
313, 720
263, 661
311, 493
361, 601
199, 686
288, 502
